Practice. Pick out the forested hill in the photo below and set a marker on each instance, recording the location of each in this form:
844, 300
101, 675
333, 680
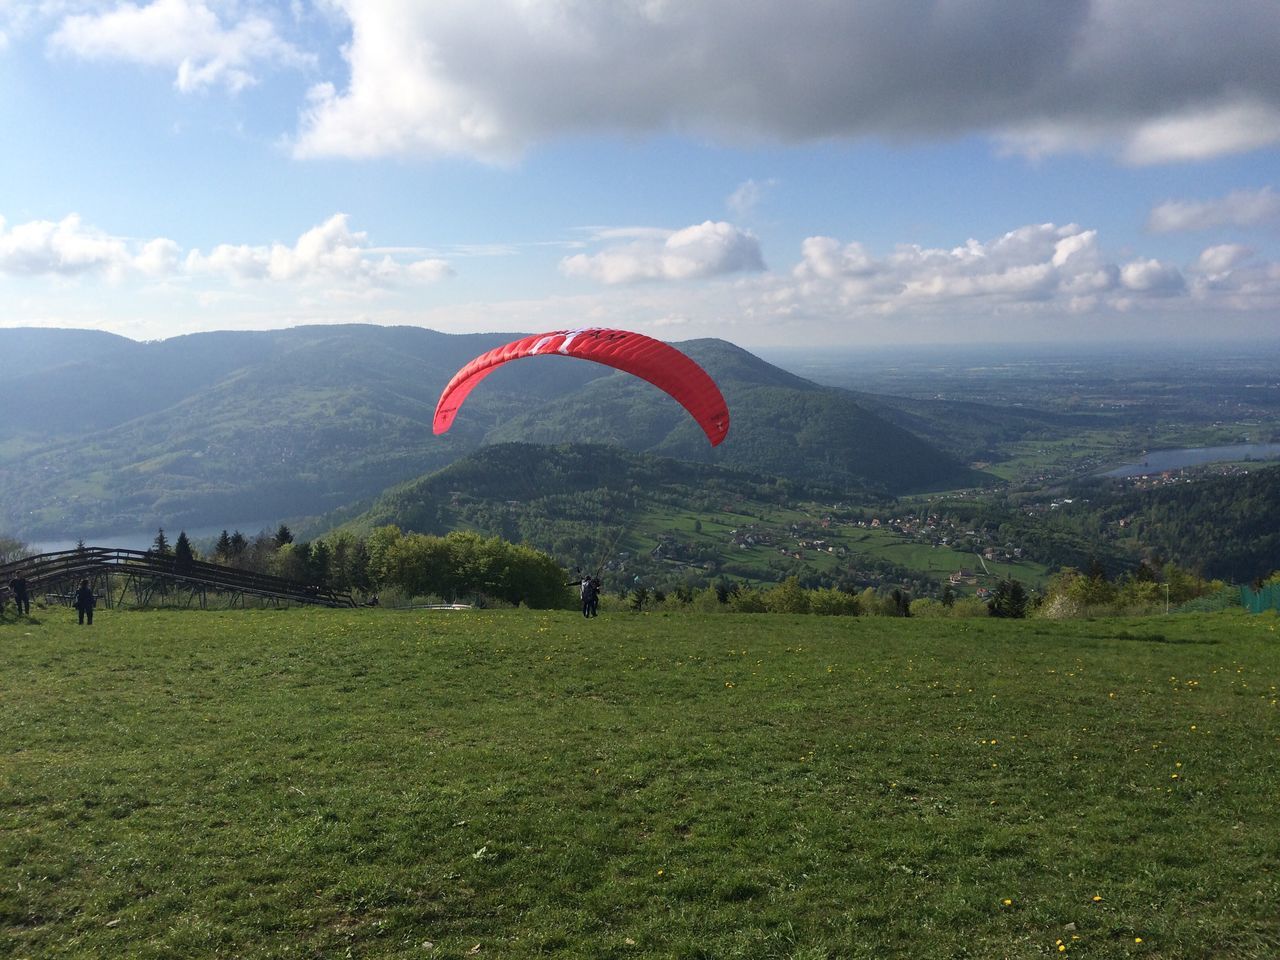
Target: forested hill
103, 434
567, 499
1225, 527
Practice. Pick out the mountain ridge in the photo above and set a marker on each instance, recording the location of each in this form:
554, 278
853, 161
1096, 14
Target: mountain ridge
107, 434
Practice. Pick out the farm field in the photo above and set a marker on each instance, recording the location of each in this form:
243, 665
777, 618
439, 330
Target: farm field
376, 783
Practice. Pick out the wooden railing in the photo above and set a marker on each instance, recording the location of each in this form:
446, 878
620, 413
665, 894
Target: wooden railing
150, 575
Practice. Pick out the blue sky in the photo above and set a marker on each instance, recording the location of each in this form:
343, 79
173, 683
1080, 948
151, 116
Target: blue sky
775, 173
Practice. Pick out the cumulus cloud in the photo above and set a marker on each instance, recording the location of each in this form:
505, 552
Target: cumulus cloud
1242, 208
1152, 277
1223, 258
329, 252
1042, 265
182, 35
705, 250
487, 80
66, 248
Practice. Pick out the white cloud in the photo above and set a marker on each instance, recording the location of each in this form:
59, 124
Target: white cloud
158, 258
1040, 266
1223, 258
1242, 208
1204, 132
66, 248
329, 253
743, 201
1152, 277
705, 250
186, 36
487, 80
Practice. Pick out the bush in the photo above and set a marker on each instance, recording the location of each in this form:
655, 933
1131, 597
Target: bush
787, 597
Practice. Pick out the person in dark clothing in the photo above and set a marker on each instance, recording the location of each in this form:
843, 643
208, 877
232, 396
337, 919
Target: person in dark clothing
589, 595
21, 598
85, 602
595, 596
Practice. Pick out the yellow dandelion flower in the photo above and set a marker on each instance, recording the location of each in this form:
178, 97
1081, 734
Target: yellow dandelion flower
1007, 902
1137, 939
1096, 898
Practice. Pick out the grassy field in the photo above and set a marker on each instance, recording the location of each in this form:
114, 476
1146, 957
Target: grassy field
513, 784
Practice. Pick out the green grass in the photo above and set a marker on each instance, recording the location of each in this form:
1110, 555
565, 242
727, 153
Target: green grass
362, 783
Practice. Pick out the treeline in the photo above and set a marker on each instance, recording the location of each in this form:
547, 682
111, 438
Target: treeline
457, 566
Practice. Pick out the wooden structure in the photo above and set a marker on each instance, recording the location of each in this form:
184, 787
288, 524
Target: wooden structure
136, 578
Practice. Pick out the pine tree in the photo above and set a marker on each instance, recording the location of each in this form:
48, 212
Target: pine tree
1009, 600
160, 545
222, 550
283, 535
183, 557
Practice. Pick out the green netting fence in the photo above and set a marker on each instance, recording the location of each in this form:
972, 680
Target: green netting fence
1255, 601
1223, 599
1267, 598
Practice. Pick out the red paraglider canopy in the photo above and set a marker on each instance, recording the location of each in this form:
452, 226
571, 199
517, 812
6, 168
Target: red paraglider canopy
661, 364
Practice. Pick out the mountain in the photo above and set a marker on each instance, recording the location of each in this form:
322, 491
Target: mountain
781, 424
104, 434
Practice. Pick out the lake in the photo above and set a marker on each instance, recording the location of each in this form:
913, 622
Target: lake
1158, 461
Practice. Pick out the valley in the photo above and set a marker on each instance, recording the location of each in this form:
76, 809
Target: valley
921, 468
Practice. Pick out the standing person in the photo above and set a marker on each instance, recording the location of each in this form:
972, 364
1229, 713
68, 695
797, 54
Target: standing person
21, 597
595, 595
85, 602
584, 594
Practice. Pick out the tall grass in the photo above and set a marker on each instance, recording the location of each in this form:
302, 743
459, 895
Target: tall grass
376, 783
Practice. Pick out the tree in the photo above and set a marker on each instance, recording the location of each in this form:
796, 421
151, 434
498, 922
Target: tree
1009, 600
183, 557
12, 549
283, 535
320, 564
222, 549
160, 545
787, 597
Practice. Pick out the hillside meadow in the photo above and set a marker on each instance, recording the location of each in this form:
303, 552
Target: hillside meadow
377, 783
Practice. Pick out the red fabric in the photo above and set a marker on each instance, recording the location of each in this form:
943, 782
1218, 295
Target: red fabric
661, 364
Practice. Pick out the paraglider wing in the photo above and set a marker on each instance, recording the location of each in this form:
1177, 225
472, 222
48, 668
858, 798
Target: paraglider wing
661, 364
